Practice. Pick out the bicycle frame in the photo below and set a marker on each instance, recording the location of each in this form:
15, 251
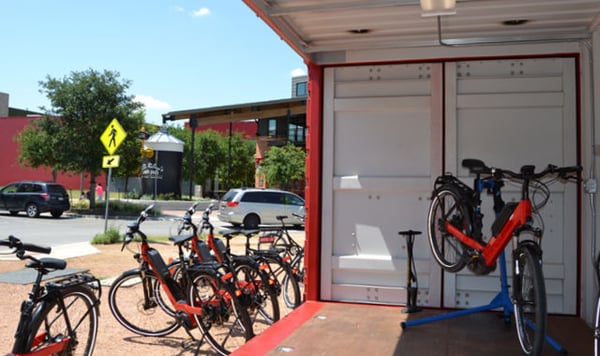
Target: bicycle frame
491, 251
151, 260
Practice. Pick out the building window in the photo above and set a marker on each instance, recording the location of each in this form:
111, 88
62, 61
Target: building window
301, 89
272, 127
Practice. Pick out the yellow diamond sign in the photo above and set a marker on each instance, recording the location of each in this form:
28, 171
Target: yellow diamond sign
113, 136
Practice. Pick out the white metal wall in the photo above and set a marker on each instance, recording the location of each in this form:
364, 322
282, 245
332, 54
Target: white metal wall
382, 149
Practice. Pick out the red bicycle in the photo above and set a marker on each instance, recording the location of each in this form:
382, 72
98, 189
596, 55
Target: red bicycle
456, 239
60, 317
199, 297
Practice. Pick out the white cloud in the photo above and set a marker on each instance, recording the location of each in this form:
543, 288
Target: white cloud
152, 103
298, 72
204, 11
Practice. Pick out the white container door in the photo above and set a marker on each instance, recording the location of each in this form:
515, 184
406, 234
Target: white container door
382, 144
509, 113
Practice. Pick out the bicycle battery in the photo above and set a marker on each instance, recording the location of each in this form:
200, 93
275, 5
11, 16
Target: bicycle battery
503, 217
160, 267
204, 250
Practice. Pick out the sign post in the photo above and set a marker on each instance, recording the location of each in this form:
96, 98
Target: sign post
111, 138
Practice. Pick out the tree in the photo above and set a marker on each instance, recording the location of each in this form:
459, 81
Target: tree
282, 165
242, 161
211, 156
39, 145
82, 106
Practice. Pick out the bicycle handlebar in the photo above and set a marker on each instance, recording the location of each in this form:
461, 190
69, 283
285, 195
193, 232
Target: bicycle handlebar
21, 247
527, 171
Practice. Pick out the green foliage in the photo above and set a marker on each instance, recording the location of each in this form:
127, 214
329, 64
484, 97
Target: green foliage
282, 165
134, 194
211, 156
242, 161
80, 204
84, 104
111, 236
39, 144
67, 138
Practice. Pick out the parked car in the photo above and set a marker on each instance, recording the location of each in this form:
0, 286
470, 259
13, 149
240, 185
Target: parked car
34, 198
251, 207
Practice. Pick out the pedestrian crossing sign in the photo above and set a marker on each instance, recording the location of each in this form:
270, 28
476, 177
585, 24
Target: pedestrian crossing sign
113, 136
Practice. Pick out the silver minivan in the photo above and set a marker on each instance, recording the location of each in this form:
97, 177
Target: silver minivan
251, 207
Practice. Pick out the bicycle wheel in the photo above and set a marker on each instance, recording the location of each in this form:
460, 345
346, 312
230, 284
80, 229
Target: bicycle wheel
288, 279
224, 323
447, 207
292, 297
529, 300
258, 296
140, 306
50, 322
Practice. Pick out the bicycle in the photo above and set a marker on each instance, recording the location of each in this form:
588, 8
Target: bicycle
279, 239
60, 317
258, 290
277, 267
456, 239
200, 297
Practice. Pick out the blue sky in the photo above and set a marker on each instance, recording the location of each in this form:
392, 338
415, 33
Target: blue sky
178, 54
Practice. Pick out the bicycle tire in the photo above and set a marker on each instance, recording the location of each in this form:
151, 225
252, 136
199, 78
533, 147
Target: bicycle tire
258, 295
529, 299
141, 313
224, 323
49, 323
448, 206
290, 287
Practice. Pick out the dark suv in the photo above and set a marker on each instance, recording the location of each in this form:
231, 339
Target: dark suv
34, 198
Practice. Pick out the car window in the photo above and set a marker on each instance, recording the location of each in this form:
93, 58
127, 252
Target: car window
37, 188
12, 188
276, 198
295, 200
254, 197
229, 195
25, 188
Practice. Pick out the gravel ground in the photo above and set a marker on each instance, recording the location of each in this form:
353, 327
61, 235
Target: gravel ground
113, 339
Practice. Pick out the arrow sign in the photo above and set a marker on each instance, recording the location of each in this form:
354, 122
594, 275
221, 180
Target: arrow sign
110, 161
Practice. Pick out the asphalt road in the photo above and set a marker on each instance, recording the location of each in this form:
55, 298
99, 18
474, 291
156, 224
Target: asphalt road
70, 228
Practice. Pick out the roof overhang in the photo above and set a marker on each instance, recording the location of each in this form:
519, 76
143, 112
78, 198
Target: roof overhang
240, 112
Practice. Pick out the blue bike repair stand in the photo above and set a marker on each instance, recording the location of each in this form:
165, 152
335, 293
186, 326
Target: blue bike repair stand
501, 300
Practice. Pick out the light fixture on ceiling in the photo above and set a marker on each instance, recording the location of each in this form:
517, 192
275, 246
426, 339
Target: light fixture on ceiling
438, 7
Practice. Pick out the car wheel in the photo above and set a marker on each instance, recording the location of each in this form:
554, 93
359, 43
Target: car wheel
14, 212
32, 210
56, 213
251, 221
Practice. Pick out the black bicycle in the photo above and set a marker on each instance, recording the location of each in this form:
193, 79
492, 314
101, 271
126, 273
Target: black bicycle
60, 317
278, 238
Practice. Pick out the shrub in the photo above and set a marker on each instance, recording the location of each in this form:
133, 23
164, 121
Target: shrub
111, 236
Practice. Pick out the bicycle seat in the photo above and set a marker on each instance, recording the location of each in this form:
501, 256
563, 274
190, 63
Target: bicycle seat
47, 263
475, 165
